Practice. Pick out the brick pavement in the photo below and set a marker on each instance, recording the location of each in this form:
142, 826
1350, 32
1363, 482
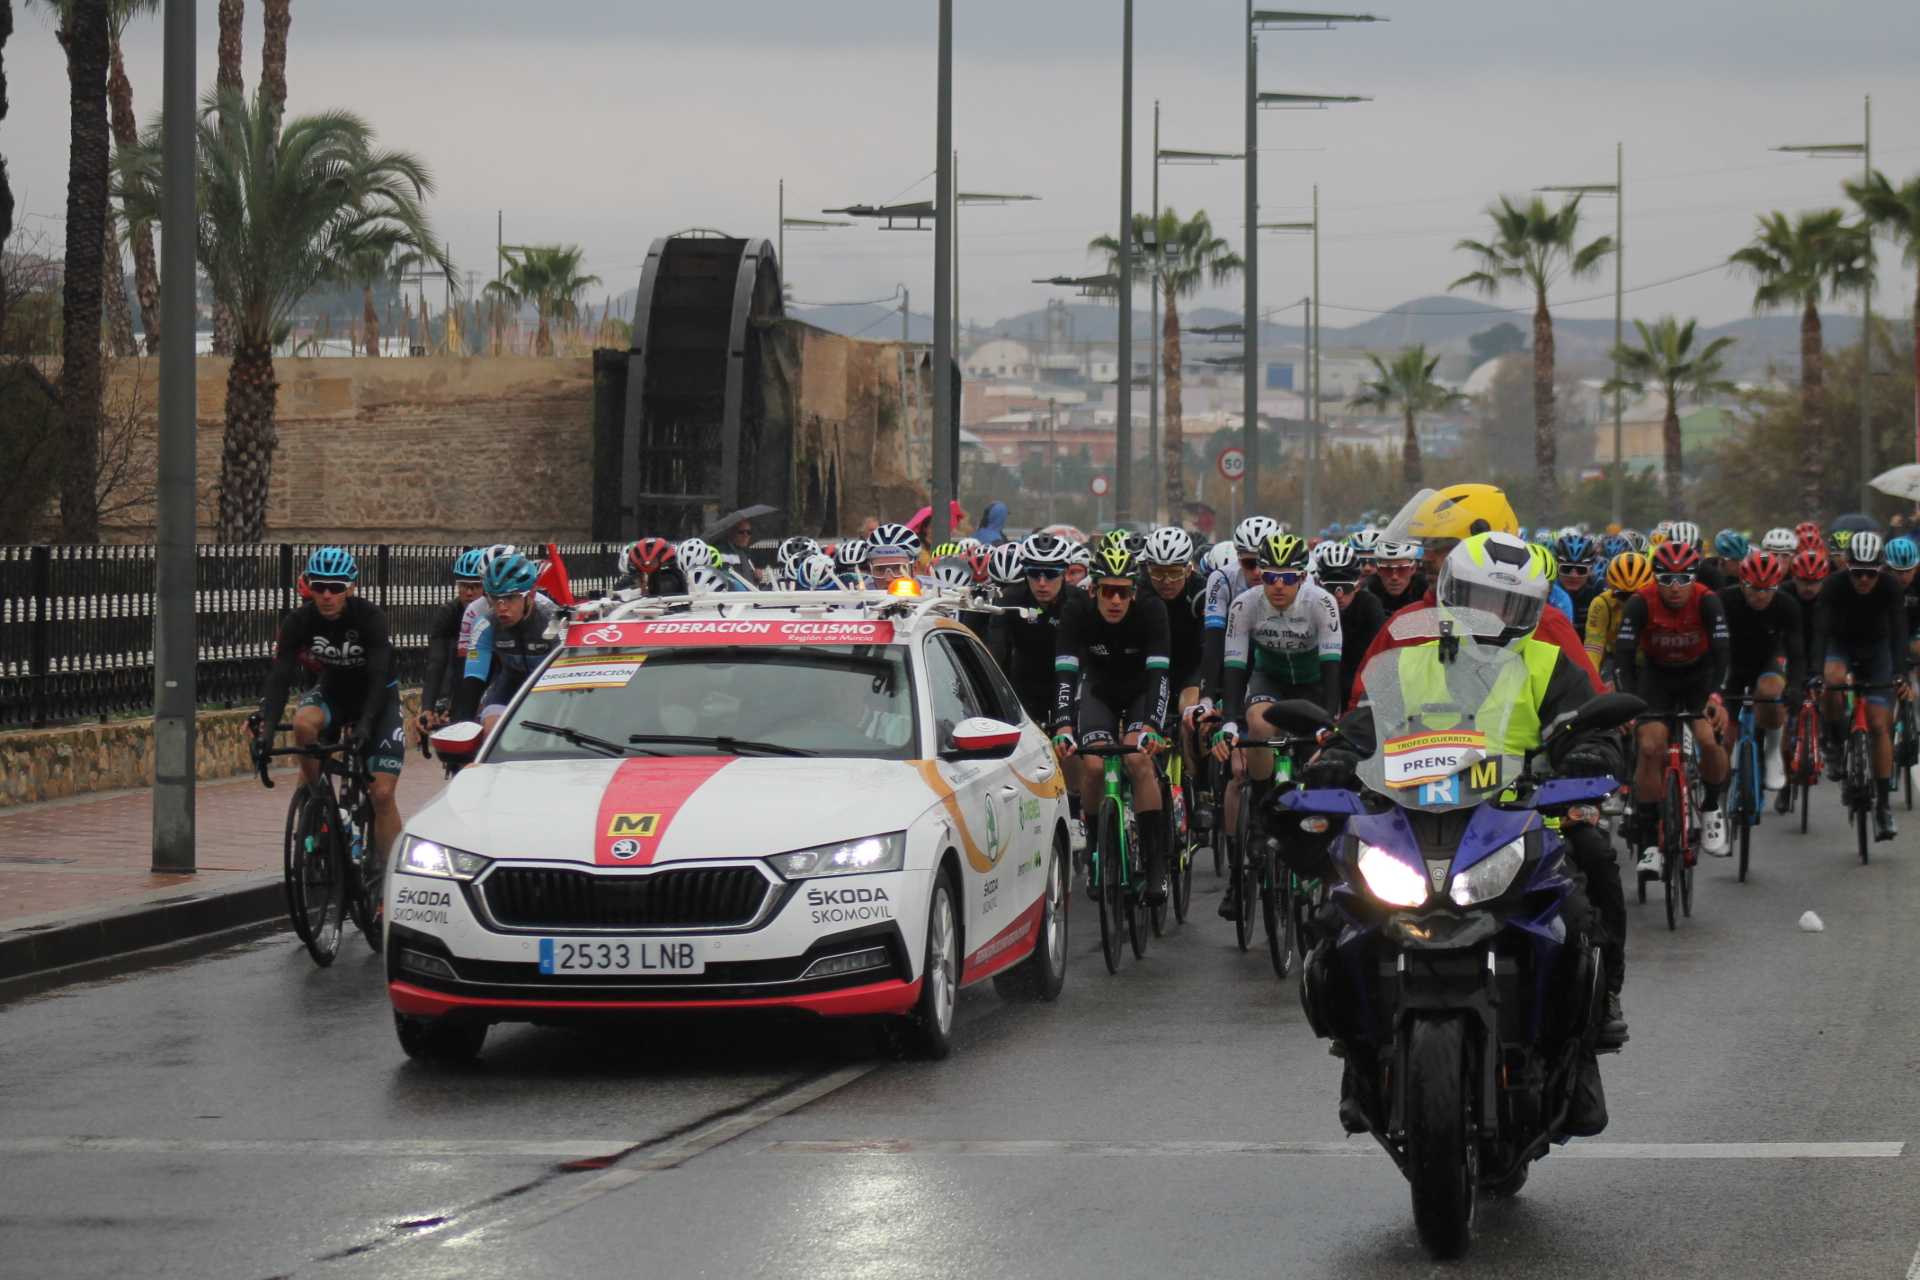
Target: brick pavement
66, 859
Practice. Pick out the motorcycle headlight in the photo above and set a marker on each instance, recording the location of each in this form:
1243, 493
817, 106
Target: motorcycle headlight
847, 858
1389, 879
425, 858
1490, 877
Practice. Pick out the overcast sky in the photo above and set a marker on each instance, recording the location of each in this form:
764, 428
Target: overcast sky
609, 122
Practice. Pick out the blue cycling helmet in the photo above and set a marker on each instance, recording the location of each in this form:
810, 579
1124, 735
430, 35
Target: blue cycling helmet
1614, 544
1573, 548
510, 576
468, 565
1903, 554
1730, 544
332, 564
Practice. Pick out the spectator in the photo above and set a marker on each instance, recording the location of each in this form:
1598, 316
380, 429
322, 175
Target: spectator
989, 531
867, 527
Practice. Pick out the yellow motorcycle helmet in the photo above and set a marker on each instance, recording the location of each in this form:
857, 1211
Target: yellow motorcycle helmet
1456, 511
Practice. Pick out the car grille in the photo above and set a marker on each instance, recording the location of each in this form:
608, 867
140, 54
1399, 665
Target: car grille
685, 898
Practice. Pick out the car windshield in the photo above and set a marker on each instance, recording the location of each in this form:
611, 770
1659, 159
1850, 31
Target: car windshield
1445, 707
762, 700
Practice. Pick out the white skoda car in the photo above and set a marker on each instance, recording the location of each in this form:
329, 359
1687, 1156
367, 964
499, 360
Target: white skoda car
829, 803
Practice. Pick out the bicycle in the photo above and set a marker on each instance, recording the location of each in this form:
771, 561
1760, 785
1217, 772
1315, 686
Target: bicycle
1857, 785
325, 869
1806, 760
1679, 801
1113, 869
1285, 903
1746, 782
1179, 846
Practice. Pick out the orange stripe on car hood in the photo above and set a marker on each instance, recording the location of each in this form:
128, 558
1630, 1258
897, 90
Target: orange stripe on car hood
640, 803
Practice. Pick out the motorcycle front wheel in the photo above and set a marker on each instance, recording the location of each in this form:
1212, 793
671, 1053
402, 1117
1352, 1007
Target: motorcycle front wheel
1440, 1165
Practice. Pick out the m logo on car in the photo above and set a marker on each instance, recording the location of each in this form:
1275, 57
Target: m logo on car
633, 824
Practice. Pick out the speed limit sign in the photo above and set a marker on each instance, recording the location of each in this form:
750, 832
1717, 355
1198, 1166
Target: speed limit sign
1099, 486
1233, 462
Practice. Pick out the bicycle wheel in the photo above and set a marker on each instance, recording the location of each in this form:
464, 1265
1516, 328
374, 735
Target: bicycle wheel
1170, 826
1217, 775
1673, 847
1133, 898
1106, 881
1742, 804
1242, 867
1859, 788
1182, 856
1281, 921
296, 836
320, 881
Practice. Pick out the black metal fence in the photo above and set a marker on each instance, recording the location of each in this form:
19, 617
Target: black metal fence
76, 622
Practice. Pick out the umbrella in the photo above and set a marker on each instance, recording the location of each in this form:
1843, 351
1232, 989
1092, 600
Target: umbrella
726, 522
1855, 523
1901, 482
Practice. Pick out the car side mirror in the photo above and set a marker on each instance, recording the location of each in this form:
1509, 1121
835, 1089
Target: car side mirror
458, 741
981, 737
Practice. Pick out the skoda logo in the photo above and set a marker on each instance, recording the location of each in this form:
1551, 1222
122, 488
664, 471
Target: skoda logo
625, 848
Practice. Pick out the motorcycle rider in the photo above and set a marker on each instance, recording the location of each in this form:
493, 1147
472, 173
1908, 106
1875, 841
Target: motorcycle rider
1498, 574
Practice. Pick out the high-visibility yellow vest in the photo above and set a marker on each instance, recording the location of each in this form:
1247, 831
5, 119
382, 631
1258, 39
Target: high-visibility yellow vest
1511, 706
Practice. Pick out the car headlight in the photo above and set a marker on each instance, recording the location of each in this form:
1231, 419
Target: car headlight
847, 858
1489, 877
425, 858
1389, 879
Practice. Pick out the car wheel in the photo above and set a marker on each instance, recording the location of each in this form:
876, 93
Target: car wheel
1041, 975
438, 1040
929, 1029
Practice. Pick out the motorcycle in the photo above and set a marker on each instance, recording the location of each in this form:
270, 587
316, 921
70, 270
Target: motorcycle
1443, 972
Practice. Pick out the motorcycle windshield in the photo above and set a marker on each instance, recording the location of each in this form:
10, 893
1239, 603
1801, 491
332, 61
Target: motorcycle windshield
1451, 711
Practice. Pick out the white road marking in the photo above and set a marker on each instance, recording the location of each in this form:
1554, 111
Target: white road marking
1357, 1147
409, 1148
1913, 1268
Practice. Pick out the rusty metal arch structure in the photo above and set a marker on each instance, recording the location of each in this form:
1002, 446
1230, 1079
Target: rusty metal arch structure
692, 433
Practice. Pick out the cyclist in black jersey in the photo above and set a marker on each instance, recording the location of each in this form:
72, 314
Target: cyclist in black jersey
357, 695
1860, 629
446, 655
1768, 656
1168, 557
1397, 581
1110, 661
1025, 648
1337, 570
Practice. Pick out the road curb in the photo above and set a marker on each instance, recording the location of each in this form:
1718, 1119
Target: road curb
111, 933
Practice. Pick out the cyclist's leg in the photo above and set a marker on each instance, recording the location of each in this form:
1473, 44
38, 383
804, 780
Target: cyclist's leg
1770, 719
1648, 779
1145, 783
1833, 707
1879, 671
384, 761
1260, 692
1187, 740
1098, 727
312, 721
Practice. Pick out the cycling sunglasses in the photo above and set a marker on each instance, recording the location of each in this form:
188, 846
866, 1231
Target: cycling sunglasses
1341, 588
1864, 574
1282, 577
1167, 572
1046, 575
1393, 566
1575, 570
1248, 562
1673, 579
511, 595
1115, 590
327, 588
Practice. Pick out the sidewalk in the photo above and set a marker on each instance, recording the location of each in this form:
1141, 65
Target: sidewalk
75, 883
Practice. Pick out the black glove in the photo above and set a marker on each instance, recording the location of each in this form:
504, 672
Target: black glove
1333, 767
358, 744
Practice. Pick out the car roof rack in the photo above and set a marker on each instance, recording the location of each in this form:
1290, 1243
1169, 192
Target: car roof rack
629, 607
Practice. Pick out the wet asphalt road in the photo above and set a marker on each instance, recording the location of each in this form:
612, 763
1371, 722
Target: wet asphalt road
245, 1115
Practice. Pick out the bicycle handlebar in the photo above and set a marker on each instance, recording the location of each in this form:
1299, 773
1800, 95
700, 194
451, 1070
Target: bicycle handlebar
1117, 749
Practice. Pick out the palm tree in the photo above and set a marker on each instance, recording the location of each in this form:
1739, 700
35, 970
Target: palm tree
282, 210
1794, 262
373, 265
233, 16
84, 32
126, 133
6, 187
1407, 385
1190, 256
1666, 358
275, 20
548, 276
1896, 211
1535, 245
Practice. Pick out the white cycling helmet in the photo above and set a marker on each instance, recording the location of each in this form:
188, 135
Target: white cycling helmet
1780, 540
1364, 541
1335, 562
1396, 551
794, 550
1168, 545
952, 573
1222, 557
816, 573
1045, 550
704, 577
851, 553
896, 537
1684, 531
695, 552
1252, 533
1004, 563
498, 551
1080, 553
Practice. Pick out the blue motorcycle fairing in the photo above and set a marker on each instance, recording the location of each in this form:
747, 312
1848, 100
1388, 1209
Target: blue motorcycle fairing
1331, 800
1565, 791
1490, 830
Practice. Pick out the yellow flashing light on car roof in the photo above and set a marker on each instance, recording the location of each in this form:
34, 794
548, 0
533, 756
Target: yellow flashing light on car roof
904, 587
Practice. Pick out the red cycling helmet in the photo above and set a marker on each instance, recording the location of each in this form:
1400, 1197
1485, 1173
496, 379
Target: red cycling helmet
1812, 564
978, 560
1807, 533
650, 555
1763, 570
1673, 556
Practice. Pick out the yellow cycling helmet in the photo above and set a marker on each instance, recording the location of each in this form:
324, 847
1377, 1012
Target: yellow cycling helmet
1545, 560
1629, 571
1460, 511
1283, 551
1115, 560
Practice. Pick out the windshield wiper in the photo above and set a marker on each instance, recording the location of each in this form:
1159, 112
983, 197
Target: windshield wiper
587, 740
732, 746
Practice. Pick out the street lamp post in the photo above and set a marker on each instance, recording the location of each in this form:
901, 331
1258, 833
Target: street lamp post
1844, 150
1310, 321
1259, 20
1618, 190
1123, 406
1164, 156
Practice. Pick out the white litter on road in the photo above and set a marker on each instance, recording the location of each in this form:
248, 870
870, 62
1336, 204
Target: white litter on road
1811, 923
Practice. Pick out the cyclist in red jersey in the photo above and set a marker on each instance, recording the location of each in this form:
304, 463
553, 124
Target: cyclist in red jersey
1674, 648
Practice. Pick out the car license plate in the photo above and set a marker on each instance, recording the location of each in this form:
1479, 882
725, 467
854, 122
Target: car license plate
629, 955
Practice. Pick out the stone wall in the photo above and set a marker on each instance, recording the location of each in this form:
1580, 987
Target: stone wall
856, 429
53, 764
397, 450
